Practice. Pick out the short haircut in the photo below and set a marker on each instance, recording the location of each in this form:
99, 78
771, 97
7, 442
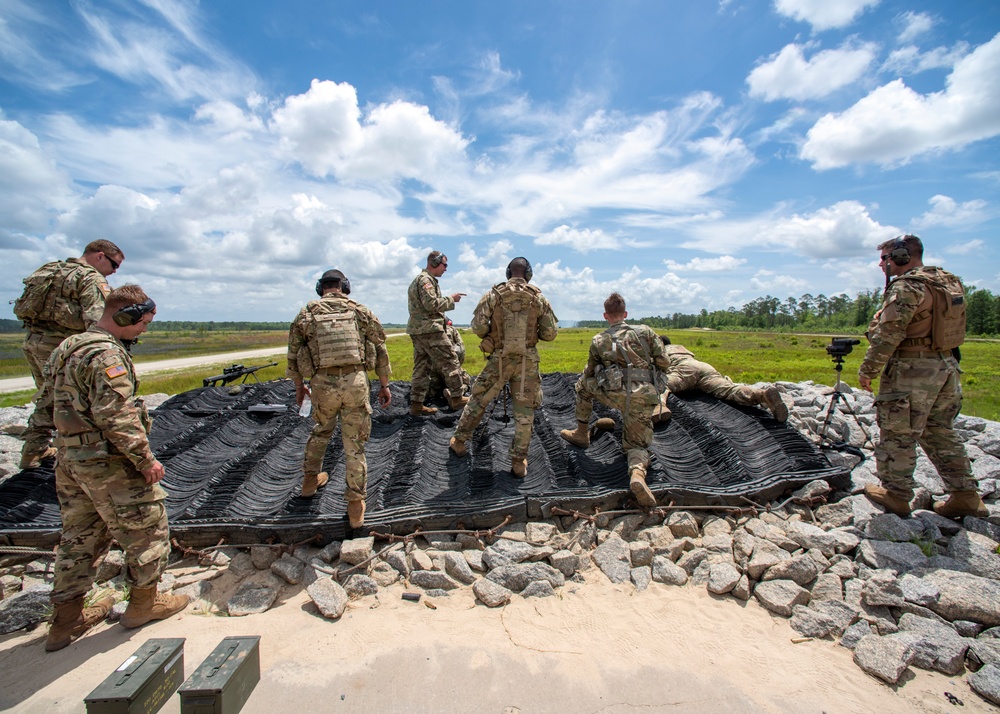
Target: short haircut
913, 245
128, 294
103, 246
664, 339
615, 304
518, 267
435, 258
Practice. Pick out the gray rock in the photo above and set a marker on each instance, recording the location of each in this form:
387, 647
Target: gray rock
937, 646
491, 593
111, 566
25, 609
743, 544
985, 528
836, 514
641, 577
843, 567
810, 623
741, 591
330, 598
436, 592
930, 519
800, 569
516, 576
986, 651
845, 539
357, 551
967, 628
612, 557
566, 562
765, 555
889, 526
396, 558
780, 596
770, 532
986, 683
854, 634
504, 552
417, 559
900, 557
918, 591
690, 560
330, 552
432, 579
538, 588
826, 587
9, 584
384, 574
667, 572
539, 533
262, 556
469, 541
475, 559
640, 553
943, 562
196, 591
722, 543
584, 533
683, 523
990, 633
194, 577
457, 567
252, 597
813, 489
884, 657
715, 526
809, 536
881, 588
978, 552
722, 578
241, 565
839, 612
358, 585
625, 526
701, 573
965, 596
658, 537
288, 569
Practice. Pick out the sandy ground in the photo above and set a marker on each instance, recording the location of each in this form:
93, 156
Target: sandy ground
595, 647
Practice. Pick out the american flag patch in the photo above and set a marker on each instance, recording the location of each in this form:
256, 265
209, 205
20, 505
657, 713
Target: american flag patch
116, 371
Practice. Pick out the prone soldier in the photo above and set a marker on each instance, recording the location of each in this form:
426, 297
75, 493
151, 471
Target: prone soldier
333, 342
914, 339
510, 320
60, 299
437, 383
107, 478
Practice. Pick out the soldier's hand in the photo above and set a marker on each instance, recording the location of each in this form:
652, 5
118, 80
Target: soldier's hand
155, 473
865, 383
384, 397
301, 392
457, 297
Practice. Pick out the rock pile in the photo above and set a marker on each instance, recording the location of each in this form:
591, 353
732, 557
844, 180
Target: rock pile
922, 592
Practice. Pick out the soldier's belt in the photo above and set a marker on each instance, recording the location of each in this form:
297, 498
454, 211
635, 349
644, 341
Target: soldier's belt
340, 371
84, 439
921, 353
638, 375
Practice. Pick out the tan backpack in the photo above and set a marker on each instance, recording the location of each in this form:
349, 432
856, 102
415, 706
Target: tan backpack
946, 314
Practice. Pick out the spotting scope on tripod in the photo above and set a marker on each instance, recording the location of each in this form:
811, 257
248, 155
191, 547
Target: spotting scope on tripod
838, 349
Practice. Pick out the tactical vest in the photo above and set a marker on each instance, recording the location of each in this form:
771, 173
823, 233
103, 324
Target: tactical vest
939, 322
50, 296
514, 323
334, 333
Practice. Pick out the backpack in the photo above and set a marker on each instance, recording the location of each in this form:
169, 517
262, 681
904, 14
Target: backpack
337, 341
47, 297
946, 314
514, 324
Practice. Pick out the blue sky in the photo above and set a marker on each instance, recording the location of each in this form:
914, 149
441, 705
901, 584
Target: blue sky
689, 154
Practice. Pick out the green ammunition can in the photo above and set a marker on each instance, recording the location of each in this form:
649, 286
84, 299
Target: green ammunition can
224, 681
143, 682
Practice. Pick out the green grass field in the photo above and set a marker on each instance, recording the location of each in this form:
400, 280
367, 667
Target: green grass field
744, 356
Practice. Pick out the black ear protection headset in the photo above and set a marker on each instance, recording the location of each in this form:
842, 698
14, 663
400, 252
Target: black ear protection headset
132, 314
345, 286
527, 268
436, 260
900, 254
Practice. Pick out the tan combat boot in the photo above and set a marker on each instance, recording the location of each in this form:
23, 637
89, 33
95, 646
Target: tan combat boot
356, 513
311, 484
71, 619
962, 503
146, 604
519, 468
580, 437
661, 414
33, 461
771, 398
456, 402
637, 482
893, 502
457, 446
418, 409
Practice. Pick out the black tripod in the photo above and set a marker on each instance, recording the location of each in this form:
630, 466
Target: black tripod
837, 397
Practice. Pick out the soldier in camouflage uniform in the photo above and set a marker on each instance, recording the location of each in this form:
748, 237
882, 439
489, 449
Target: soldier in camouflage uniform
432, 350
60, 299
686, 373
107, 478
437, 383
510, 319
622, 373
332, 342
913, 346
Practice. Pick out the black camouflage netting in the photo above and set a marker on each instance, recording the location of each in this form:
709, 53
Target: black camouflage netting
234, 466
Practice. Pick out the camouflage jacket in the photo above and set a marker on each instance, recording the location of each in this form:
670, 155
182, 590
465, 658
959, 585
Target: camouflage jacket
547, 324
77, 293
888, 328
369, 328
427, 305
89, 397
637, 346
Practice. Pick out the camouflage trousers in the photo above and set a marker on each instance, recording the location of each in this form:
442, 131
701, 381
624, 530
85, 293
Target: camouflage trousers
437, 385
101, 500
37, 348
345, 396
434, 353
525, 381
691, 374
918, 400
637, 431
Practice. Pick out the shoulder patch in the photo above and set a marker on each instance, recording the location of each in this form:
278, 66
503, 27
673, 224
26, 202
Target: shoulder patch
116, 370
105, 288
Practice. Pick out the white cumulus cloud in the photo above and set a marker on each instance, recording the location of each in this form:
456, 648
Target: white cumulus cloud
823, 14
913, 25
789, 75
581, 240
946, 211
706, 265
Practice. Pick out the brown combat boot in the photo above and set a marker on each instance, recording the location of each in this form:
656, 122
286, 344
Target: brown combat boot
71, 619
519, 468
33, 461
580, 437
891, 501
661, 414
457, 446
356, 513
602, 424
311, 484
146, 604
455, 402
637, 482
771, 398
962, 503
418, 409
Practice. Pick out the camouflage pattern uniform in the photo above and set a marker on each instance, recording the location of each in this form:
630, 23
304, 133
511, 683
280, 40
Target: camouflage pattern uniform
919, 394
89, 397
632, 391
685, 373
433, 351
338, 391
437, 383
520, 369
